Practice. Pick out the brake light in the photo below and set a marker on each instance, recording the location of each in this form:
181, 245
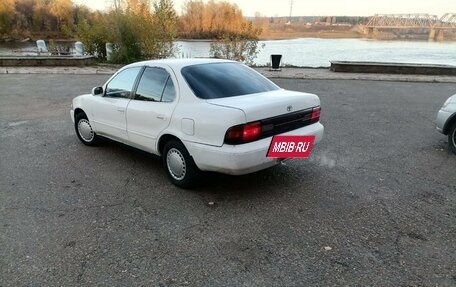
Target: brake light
315, 117
243, 133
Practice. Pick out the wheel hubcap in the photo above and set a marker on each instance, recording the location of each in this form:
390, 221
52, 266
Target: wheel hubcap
85, 130
176, 164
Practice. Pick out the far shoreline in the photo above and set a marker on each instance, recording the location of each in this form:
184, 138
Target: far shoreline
268, 36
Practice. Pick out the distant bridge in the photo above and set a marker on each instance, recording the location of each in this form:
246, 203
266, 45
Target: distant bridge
433, 23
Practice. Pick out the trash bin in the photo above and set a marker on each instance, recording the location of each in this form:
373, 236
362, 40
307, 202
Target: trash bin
275, 62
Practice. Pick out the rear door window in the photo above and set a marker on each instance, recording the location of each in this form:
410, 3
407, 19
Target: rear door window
155, 85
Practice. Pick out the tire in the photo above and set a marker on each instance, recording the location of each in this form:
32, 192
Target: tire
179, 165
84, 130
452, 138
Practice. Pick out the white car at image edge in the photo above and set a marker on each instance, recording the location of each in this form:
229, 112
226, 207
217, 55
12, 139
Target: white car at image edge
197, 114
446, 121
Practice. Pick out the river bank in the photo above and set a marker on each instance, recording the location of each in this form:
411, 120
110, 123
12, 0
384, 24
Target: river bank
350, 32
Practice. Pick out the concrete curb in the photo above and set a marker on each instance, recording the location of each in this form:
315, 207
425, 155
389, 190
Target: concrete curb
287, 73
326, 74
87, 70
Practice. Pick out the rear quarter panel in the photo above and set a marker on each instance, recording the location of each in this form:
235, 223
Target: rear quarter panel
210, 122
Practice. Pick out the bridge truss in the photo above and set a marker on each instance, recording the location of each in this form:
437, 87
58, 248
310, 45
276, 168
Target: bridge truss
412, 21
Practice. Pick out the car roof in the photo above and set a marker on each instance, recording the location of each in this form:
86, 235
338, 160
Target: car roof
178, 64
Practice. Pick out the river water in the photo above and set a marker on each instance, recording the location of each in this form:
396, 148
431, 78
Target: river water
311, 52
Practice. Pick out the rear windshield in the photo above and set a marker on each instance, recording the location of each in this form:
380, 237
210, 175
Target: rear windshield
222, 80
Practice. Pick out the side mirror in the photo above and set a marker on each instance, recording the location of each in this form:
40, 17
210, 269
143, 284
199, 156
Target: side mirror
97, 91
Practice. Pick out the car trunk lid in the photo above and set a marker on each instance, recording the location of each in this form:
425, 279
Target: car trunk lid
269, 104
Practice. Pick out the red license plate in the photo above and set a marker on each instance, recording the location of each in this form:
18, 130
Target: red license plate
291, 146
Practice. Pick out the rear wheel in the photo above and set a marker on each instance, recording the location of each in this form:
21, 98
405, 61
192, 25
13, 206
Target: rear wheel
179, 165
84, 130
452, 138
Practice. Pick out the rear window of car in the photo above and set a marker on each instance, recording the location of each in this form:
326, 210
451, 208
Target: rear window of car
222, 80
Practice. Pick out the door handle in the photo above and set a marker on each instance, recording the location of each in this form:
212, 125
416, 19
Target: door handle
121, 110
161, 117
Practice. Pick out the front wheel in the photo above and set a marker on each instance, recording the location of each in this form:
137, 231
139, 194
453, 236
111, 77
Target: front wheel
452, 138
179, 165
84, 130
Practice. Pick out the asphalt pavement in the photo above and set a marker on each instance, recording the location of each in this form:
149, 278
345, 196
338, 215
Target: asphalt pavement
375, 205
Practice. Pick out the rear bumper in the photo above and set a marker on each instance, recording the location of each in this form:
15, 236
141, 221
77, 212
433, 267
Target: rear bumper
245, 158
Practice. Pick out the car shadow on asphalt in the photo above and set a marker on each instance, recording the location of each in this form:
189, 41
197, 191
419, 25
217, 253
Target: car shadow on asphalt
261, 182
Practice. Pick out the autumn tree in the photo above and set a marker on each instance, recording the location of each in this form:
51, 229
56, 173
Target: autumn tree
62, 11
191, 21
211, 20
81, 13
262, 22
152, 30
24, 14
236, 37
165, 29
42, 18
137, 30
6, 15
238, 46
94, 32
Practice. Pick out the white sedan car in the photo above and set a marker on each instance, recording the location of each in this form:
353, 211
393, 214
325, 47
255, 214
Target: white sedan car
197, 114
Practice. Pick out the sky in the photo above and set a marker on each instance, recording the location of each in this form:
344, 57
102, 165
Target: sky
323, 7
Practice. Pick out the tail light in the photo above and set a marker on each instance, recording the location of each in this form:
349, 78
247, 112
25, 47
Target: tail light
243, 133
315, 117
